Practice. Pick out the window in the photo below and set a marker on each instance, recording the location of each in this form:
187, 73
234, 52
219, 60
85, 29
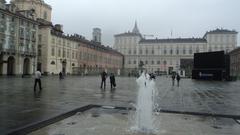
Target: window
171, 51
40, 38
129, 62
146, 62
129, 51
68, 54
134, 52
33, 36
53, 51
64, 53
158, 62
153, 62
22, 32
190, 50
165, 51
73, 55
146, 51
197, 50
73, 64
134, 62
184, 51
22, 22
152, 51
45, 15
177, 51
59, 52
53, 40
140, 51
39, 52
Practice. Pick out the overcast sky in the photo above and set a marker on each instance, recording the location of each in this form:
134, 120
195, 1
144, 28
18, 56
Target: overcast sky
186, 18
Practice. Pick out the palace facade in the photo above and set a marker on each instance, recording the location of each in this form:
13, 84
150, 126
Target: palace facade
166, 55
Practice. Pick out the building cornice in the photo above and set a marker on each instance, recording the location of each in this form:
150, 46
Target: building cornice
18, 15
173, 40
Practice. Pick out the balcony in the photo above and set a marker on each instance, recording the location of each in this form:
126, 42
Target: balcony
28, 53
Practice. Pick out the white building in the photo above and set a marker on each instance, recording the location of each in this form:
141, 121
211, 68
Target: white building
166, 55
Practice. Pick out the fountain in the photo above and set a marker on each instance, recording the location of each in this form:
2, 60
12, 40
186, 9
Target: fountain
144, 120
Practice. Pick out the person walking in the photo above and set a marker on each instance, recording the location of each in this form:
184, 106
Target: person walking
104, 77
173, 79
178, 79
60, 75
37, 80
112, 81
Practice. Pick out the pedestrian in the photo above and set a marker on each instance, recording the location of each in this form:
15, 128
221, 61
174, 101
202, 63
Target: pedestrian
178, 79
37, 80
104, 77
173, 79
60, 75
112, 81
152, 76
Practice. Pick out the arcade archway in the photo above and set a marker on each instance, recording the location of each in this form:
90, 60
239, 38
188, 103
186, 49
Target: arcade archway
26, 66
11, 66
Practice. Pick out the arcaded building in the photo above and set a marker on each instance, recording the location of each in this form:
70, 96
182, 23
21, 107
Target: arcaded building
70, 54
18, 40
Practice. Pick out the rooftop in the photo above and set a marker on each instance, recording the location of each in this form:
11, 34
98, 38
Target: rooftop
222, 31
128, 34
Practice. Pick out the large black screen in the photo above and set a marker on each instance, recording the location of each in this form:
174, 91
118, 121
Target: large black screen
209, 60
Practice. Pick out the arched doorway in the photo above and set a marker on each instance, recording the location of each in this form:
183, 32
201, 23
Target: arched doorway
26, 66
11, 66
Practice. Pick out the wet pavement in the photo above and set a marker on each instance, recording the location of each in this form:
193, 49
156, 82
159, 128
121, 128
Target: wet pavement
100, 121
19, 105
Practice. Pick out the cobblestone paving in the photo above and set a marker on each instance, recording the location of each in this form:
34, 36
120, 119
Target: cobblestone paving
20, 106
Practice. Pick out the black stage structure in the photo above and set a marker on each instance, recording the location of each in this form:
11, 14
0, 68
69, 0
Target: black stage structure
211, 66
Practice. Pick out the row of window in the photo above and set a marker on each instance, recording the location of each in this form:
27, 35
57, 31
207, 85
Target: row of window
63, 52
146, 62
126, 40
152, 52
63, 42
27, 33
222, 38
83, 56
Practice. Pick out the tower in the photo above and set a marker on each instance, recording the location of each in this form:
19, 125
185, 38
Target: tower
135, 29
96, 35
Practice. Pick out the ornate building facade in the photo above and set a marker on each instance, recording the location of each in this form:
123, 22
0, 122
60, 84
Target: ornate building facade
70, 54
167, 55
18, 40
